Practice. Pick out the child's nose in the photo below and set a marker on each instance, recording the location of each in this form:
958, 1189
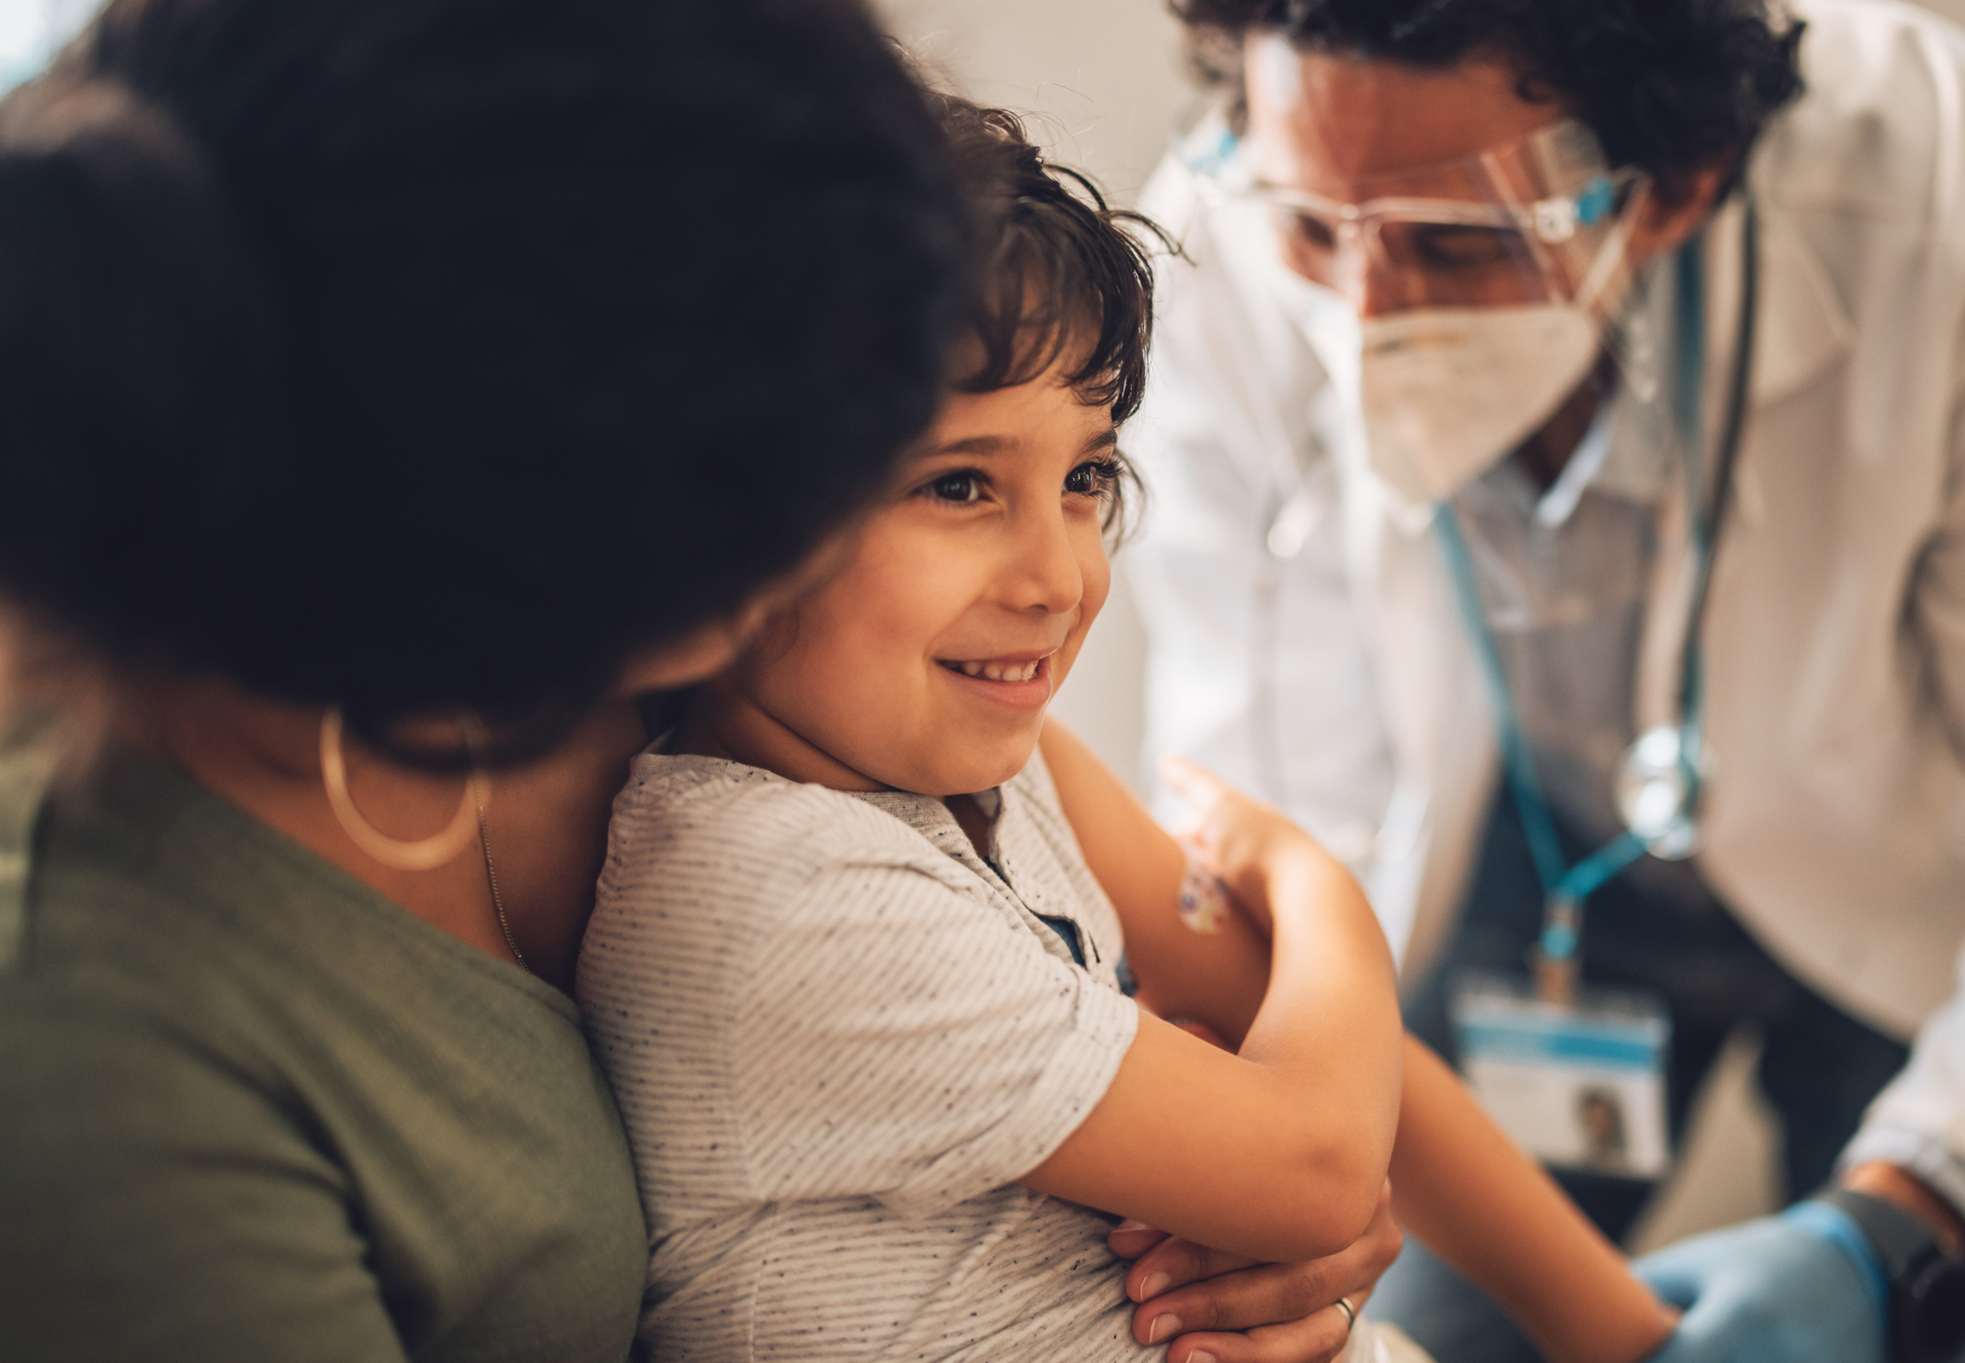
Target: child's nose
1045, 574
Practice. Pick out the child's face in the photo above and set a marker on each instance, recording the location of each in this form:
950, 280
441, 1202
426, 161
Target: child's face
927, 662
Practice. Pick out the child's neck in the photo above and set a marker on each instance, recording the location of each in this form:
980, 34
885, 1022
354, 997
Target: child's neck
973, 821
724, 722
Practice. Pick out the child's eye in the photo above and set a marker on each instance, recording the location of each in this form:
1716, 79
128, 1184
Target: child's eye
1094, 478
963, 486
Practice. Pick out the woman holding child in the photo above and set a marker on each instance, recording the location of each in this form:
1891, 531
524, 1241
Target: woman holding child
357, 355
379, 432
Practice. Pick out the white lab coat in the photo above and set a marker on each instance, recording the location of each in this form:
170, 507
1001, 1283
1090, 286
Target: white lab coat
1302, 635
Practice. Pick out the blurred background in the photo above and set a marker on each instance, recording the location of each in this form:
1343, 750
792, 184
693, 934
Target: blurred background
31, 29
1103, 83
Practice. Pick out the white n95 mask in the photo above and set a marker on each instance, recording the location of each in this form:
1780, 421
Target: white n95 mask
1444, 393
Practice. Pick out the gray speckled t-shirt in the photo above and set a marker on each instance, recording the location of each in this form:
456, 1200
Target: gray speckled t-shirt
837, 1036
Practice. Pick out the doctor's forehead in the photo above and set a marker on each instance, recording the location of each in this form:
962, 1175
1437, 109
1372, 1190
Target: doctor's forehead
1324, 120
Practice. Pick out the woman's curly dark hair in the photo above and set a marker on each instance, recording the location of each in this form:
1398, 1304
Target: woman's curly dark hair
1058, 271
420, 355
1666, 85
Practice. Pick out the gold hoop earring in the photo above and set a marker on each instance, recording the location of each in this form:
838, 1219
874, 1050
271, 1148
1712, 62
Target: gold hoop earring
425, 854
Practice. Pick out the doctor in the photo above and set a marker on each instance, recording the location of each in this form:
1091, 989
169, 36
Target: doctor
1560, 506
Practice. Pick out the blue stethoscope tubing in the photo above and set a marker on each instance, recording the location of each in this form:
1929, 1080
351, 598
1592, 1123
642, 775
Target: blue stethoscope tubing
1566, 887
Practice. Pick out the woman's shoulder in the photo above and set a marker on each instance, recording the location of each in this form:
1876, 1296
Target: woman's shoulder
145, 885
151, 908
211, 1044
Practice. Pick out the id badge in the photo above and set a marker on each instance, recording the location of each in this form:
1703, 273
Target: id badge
1579, 1086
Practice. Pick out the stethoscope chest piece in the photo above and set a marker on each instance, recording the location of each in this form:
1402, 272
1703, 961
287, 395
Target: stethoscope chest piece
1659, 783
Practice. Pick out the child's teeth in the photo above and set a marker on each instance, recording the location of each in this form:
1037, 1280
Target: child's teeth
1000, 672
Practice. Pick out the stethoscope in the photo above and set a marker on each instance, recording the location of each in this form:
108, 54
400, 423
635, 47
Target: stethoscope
1662, 777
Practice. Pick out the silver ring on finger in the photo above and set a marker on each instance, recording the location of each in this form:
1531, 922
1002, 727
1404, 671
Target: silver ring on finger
1350, 1314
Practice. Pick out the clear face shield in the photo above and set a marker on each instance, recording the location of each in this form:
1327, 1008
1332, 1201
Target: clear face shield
1459, 303
1521, 223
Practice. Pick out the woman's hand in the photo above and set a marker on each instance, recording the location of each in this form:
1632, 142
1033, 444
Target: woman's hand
1223, 1308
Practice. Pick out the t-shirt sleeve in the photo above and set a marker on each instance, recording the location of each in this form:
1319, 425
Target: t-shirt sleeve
160, 1205
900, 1038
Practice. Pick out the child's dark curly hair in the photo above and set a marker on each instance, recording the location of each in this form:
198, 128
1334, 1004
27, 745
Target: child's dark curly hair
1060, 274
1666, 85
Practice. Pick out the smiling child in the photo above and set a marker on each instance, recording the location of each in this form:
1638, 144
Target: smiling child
856, 984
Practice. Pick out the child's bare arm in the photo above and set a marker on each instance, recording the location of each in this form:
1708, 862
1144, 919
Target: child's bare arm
1459, 1184
1278, 1152
1462, 1186
1217, 978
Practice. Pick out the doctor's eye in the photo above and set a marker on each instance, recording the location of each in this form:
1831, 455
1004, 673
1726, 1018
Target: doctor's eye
1093, 478
1313, 232
960, 486
1444, 246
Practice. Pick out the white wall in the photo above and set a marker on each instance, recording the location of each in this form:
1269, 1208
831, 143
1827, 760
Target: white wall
1104, 75
31, 29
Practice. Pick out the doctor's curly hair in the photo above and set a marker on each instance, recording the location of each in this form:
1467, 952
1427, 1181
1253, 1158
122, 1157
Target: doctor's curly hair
1059, 273
1666, 85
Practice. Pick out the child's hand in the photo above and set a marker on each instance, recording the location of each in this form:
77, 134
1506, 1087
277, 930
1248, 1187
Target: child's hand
1237, 837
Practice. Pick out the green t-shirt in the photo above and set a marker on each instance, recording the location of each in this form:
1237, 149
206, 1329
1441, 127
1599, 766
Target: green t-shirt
252, 1110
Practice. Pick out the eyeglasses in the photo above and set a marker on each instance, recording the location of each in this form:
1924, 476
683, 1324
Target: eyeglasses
1515, 224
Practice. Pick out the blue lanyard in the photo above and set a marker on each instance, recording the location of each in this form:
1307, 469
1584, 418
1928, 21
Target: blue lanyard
1566, 887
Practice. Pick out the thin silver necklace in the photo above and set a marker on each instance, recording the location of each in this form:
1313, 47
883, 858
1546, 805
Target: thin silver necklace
491, 875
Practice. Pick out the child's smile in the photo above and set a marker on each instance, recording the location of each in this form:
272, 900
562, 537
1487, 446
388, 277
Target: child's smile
1000, 670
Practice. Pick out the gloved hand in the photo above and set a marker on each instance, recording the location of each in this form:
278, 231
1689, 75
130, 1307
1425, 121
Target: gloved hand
1783, 1289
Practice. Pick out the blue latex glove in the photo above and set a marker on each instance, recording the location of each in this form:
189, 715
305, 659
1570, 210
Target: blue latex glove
1802, 1287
